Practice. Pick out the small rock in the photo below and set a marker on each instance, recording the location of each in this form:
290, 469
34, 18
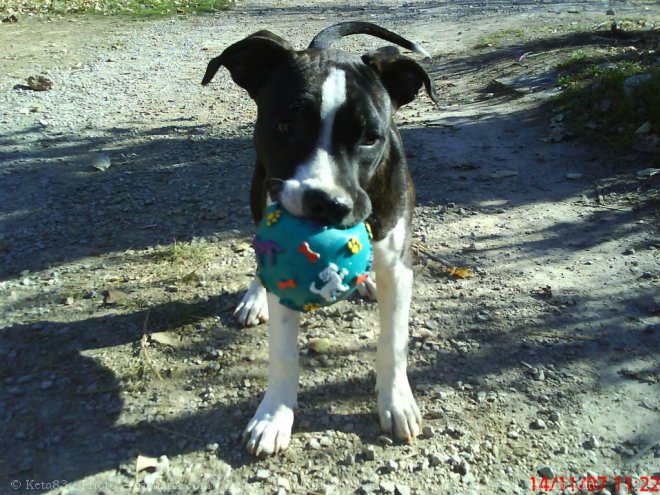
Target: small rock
463, 467
591, 443
539, 375
546, 472
369, 453
368, 488
435, 460
390, 467
325, 442
387, 486
212, 447
539, 424
554, 416
40, 83
101, 162
314, 444
402, 489
262, 475
428, 432
149, 479
468, 478
629, 251
242, 247
326, 490
513, 434
609, 12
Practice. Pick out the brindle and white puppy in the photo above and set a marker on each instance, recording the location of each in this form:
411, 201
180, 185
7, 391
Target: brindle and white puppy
327, 148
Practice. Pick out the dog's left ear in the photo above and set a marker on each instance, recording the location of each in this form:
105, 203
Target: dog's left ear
252, 60
401, 75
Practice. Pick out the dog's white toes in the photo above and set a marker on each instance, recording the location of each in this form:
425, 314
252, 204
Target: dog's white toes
253, 309
398, 411
367, 289
269, 431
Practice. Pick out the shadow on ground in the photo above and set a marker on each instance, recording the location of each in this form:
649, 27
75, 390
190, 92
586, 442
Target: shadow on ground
66, 427
170, 183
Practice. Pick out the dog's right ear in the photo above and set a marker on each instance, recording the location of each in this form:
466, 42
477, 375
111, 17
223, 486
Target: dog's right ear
252, 60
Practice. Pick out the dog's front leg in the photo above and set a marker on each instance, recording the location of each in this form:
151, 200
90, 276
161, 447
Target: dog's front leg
398, 411
269, 431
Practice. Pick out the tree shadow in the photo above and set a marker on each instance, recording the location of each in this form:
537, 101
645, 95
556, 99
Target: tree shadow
162, 186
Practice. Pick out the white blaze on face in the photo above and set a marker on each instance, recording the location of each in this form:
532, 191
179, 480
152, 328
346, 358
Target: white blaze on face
333, 96
317, 171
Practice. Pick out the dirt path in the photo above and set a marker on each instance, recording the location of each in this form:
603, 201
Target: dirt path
117, 286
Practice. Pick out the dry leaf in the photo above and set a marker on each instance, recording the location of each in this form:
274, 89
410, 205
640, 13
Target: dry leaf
319, 345
460, 272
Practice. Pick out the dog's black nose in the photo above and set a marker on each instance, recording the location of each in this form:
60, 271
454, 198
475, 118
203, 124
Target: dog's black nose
320, 205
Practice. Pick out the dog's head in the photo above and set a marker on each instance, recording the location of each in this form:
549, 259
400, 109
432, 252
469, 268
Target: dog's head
324, 119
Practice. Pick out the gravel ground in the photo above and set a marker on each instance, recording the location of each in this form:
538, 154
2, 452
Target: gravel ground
125, 246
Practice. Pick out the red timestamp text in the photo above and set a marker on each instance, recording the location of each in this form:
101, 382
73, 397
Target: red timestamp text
595, 484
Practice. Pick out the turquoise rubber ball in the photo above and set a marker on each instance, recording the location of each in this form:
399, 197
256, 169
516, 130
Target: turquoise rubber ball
309, 265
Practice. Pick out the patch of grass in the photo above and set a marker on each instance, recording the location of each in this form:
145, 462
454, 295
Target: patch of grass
498, 36
140, 8
574, 58
195, 253
612, 100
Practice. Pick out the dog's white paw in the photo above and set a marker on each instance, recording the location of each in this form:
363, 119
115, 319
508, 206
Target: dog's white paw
269, 431
367, 289
398, 411
253, 308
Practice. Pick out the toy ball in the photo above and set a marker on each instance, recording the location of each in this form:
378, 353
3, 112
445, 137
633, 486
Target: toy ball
308, 264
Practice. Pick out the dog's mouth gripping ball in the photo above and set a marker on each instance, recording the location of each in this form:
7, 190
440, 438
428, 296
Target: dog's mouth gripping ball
307, 264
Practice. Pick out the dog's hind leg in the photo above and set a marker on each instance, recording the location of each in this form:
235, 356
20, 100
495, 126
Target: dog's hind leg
253, 308
398, 411
269, 431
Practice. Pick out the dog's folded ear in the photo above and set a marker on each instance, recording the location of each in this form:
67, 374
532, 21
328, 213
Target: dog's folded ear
401, 75
251, 60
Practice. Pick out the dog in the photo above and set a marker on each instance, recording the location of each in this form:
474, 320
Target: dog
327, 149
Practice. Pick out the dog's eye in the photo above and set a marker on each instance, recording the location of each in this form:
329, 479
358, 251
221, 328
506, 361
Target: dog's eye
369, 141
